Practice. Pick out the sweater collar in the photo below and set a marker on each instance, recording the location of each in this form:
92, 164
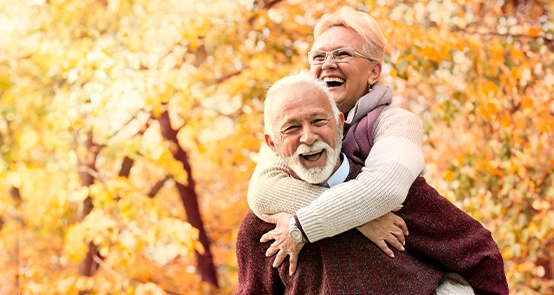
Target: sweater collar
380, 95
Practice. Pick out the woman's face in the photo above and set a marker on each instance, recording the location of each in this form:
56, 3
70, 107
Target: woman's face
348, 81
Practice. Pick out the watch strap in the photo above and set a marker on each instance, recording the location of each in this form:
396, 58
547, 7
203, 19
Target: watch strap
300, 228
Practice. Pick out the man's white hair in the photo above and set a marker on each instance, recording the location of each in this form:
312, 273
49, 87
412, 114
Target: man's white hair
302, 79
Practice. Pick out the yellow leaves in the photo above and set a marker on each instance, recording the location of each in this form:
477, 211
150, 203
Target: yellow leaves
149, 288
541, 205
78, 195
527, 266
99, 227
175, 168
262, 60
74, 245
100, 66
448, 175
181, 233
84, 283
100, 194
28, 138
533, 228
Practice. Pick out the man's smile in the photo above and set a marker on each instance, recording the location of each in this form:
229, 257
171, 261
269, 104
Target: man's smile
312, 156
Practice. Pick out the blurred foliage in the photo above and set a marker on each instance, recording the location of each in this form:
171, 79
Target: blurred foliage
479, 73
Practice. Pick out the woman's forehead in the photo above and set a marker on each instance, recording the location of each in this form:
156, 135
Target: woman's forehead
337, 37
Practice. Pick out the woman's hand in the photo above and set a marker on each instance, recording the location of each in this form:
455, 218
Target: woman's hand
389, 228
284, 246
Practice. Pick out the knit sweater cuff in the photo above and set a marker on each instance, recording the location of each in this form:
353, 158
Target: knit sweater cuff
311, 224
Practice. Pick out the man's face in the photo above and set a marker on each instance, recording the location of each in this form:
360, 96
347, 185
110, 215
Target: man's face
307, 134
347, 82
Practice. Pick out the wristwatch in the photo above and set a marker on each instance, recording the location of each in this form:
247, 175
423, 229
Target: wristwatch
294, 232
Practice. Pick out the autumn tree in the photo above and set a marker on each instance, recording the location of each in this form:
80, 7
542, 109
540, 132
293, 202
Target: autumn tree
129, 130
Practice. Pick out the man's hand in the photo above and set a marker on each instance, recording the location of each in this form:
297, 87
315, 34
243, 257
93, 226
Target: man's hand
283, 244
387, 228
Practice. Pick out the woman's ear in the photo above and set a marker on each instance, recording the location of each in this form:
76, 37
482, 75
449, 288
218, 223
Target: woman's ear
375, 73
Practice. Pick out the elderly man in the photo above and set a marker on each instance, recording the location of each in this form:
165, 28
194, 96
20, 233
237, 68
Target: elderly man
304, 127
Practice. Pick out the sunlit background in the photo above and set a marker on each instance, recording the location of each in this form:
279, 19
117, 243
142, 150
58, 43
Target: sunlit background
129, 130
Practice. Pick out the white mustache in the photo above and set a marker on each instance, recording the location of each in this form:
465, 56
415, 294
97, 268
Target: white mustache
316, 147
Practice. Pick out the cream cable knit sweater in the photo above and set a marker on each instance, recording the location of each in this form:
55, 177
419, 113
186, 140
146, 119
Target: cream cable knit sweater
393, 164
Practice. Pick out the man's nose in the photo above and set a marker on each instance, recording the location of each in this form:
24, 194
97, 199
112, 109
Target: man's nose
308, 136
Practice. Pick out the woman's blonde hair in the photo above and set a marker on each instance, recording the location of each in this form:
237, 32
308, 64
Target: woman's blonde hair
362, 23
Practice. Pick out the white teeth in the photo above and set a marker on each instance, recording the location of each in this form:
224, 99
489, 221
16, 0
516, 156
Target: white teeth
311, 157
333, 79
312, 153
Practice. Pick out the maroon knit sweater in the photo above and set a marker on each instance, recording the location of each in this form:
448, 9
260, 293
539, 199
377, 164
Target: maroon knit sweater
345, 264
442, 239
438, 229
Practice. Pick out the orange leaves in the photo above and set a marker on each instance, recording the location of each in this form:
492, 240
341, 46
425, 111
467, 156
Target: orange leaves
533, 31
546, 125
480, 80
493, 168
496, 51
516, 54
488, 106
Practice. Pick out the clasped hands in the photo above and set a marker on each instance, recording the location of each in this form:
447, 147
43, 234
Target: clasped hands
389, 228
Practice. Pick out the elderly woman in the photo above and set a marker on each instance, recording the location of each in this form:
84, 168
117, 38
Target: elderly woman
347, 54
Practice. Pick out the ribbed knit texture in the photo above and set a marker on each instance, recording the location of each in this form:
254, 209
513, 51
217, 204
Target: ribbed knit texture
453, 284
442, 239
438, 229
396, 161
345, 264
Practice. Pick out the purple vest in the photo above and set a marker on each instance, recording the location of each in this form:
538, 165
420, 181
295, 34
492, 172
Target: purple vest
359, 137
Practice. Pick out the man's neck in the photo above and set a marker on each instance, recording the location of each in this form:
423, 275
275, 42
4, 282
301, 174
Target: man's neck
341, 172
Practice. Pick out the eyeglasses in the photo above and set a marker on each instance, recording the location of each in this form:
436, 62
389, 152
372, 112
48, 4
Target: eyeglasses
317, 57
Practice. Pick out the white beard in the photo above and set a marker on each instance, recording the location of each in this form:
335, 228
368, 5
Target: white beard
315, 175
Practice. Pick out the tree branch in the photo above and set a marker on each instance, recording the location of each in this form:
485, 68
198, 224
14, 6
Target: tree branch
158, 186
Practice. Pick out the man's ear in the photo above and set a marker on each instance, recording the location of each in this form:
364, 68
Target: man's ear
375, 73
341, 122
270, 143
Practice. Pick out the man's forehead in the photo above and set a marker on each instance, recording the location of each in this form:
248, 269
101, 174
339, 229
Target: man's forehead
299, 99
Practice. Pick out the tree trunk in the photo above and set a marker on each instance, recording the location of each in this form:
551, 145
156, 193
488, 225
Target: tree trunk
88, 266
190, 202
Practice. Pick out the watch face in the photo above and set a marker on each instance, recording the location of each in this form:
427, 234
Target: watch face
296, 235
